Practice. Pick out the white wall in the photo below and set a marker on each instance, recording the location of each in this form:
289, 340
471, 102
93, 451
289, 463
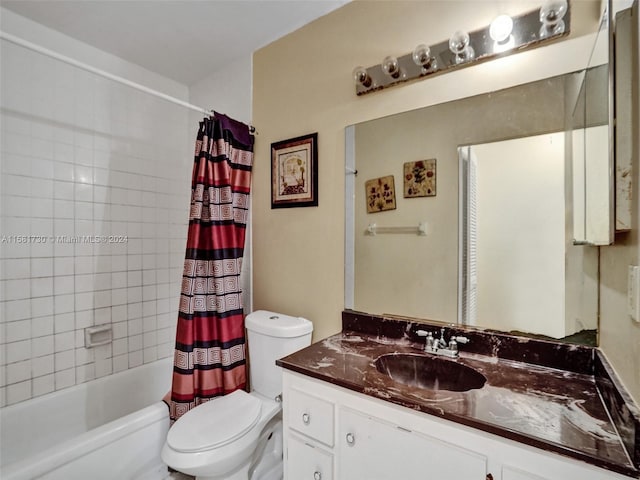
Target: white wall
82, 155
229, 91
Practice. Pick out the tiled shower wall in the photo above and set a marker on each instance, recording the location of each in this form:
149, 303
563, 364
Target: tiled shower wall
95, 195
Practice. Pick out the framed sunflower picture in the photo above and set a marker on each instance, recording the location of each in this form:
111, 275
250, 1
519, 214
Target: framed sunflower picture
420, 178
294, 172
380, 194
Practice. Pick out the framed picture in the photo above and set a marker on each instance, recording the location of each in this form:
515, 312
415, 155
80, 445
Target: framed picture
294, 172
380, 194
420, 178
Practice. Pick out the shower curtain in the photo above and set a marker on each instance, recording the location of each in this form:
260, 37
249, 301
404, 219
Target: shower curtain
209, 356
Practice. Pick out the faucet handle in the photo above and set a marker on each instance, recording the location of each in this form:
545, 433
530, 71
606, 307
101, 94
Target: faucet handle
422, 333
461, 339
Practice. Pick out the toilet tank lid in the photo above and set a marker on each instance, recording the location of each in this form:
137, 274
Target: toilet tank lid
277, 324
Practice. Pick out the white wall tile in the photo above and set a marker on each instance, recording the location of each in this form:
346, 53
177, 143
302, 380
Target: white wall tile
64, 360
64, 303
63, 190
103, 367
84, 265
41, 326
63, 284
64, 341
43, 365
16, 268
150, 354
42, 287
64, 322
41, 347
18, 330
84, 301
43, 385
18, 392
17, 310
42, 267
65, 378
85, 373
18, 371
120, 363
17, 289
42, 306
135, 359
18, 351
84, 356
63, 172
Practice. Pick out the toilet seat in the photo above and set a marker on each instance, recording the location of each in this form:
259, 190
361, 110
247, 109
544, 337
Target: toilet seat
215, 423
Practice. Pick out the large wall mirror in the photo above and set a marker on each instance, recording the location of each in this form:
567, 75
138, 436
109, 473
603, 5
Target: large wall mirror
482, 227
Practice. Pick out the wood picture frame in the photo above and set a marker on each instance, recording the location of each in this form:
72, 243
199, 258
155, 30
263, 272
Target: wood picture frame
294, 172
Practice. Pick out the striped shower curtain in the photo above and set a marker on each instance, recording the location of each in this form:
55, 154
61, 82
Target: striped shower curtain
209, 356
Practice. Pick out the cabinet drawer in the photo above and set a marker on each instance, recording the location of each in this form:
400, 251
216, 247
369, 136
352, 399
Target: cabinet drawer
311, 416
307, 462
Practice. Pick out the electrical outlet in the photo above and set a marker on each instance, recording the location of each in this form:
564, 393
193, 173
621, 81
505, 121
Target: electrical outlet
633, 293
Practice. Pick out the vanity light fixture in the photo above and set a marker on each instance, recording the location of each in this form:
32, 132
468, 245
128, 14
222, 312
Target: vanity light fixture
505, 35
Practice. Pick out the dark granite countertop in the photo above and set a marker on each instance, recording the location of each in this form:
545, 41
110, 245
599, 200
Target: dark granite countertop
549, 408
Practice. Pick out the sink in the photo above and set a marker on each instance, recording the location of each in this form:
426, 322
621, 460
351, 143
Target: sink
432, 373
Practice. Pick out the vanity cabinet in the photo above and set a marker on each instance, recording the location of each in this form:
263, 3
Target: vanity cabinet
334, 433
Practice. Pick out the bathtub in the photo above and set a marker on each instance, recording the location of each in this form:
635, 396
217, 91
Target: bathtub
112, 428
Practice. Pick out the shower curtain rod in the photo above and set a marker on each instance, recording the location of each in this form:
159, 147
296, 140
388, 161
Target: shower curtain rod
63, 58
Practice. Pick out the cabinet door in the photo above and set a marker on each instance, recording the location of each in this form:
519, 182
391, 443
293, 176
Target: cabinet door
376, 450
305, 461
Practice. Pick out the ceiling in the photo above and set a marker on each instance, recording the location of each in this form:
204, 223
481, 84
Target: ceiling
185, 40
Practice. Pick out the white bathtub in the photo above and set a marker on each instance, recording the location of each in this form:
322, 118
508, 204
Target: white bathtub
112, 428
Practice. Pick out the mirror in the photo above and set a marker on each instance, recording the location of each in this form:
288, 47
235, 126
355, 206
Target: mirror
592, 153
393, 269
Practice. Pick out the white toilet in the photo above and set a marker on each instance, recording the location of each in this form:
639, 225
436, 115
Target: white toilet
239, 436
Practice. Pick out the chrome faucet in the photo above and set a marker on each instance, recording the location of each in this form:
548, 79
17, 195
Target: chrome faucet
439, 346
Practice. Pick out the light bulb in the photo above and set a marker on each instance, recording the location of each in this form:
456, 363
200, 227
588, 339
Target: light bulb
501, 28
362, 77
551, 15
391, 67
458, 42
422, 57
459, 46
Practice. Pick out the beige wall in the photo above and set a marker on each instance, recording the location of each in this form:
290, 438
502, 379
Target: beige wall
619, 336
302, 84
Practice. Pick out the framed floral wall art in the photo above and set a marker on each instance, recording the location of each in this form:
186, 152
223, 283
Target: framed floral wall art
294, 172
380, 194
420, 178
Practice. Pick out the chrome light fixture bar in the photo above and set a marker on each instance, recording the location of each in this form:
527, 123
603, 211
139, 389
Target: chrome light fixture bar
504, 36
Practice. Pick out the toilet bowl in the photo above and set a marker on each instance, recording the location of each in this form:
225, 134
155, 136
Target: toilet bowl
218, 439
239, 436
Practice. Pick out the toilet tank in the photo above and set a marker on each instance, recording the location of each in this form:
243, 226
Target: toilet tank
272, 336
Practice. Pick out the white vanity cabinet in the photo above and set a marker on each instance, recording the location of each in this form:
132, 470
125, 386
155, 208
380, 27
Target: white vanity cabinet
331, 433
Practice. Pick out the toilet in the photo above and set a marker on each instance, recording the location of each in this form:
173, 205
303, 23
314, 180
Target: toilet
239, 436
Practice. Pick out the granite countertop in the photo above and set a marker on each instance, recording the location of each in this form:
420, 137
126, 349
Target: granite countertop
549, 408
